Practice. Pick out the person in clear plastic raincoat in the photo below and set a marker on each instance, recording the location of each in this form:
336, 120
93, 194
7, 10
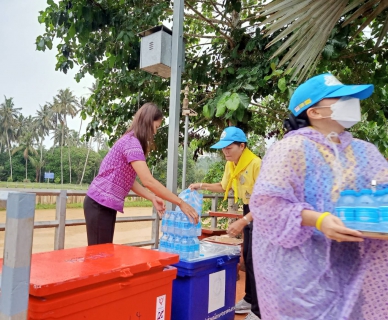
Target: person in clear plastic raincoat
307, 264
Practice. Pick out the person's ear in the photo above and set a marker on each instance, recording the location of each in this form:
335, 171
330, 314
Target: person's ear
313, 113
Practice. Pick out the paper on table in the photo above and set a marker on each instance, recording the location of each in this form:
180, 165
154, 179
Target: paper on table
216, 290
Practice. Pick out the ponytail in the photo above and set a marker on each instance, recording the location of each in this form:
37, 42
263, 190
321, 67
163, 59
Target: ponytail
295, 123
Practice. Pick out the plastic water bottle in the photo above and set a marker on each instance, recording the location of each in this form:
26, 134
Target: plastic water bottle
191, 248
163, 242
199, 227
171, 223
186, 224
170, 244
382, 201
177, 244
178, 223
185, 246
197, 248
366, 207
165, 219
345, 207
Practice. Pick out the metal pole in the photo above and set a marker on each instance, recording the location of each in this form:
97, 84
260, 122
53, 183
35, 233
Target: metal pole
15, 281
175, 90
185, 152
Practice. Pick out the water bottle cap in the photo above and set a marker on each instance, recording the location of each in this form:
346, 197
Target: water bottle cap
348, 193
379, 193
365, 191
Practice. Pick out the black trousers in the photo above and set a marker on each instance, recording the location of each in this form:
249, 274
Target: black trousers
250, 284
100, 222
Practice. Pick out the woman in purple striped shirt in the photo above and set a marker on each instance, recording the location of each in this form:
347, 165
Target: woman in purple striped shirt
117, 174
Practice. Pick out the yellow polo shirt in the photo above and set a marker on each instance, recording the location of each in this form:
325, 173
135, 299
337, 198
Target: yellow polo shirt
245, 180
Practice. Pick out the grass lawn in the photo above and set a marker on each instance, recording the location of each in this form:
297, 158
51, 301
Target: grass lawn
43, 185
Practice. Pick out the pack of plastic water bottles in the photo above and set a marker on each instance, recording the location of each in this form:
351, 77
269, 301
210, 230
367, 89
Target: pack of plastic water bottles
366, 210
179, 234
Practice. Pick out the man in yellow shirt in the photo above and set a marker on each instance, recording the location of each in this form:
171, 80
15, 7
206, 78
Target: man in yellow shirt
241, 170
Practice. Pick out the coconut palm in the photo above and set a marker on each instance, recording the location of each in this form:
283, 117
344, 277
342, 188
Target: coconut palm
64, 104
8, 123
309, 24
44, 125
26, 143
72, 140
99, 139
81, 107
86, 161
38, 165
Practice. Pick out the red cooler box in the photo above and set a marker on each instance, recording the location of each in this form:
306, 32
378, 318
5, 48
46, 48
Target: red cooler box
102, 282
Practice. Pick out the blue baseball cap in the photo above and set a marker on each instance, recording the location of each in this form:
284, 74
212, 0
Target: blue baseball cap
325, 86
228, 136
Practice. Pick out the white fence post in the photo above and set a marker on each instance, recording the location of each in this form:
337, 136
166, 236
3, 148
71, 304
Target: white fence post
60, 216
15, 280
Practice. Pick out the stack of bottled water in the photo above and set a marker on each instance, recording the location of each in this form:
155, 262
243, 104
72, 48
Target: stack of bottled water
366, 210
179, 235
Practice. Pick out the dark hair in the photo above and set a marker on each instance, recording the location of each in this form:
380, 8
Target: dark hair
143, 125
239, 143
298, 122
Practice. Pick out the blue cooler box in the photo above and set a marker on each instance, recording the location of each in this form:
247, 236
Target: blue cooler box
205, 289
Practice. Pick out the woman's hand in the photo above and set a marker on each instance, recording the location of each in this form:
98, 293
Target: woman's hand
159, 205
189, 211
195, 186
236, 227
333, 228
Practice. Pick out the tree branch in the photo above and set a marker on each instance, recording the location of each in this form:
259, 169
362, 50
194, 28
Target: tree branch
192, 16
202, 36
372, 50
219, 12
230, 40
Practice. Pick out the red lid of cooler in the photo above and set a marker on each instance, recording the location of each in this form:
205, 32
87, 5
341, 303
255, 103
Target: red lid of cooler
62, 270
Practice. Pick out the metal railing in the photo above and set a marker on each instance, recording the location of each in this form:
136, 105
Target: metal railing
60, 222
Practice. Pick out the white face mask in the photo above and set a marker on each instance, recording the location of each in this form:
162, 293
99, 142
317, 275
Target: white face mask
346, 111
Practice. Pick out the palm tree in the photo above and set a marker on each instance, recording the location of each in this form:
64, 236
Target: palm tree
44, 125
38, 165
309, 24
64, 104
27, 144
99, 139
72, 140
8, 118
81, 107
86, 161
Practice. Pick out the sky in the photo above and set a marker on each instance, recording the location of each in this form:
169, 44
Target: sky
28, 75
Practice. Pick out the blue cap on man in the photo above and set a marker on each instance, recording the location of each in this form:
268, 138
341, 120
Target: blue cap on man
228, 136
325, 86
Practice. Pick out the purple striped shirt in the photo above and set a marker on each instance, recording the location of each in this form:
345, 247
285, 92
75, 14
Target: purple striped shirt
116, 175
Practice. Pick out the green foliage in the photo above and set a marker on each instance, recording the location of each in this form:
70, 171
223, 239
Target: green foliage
233, 78
226, 63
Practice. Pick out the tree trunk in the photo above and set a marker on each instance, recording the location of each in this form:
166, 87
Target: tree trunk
9, 152
86, 161
26, 169
68, 147
62, 153
41, 157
